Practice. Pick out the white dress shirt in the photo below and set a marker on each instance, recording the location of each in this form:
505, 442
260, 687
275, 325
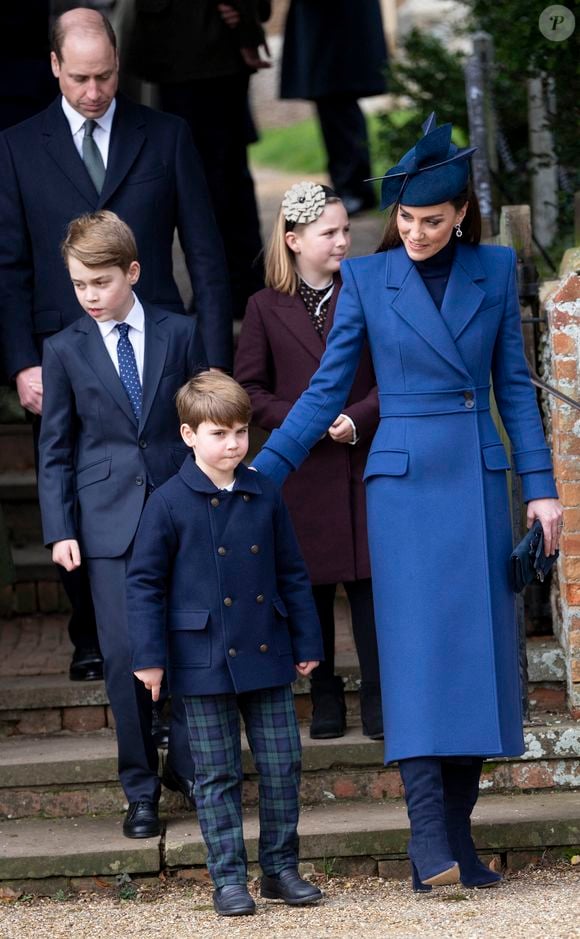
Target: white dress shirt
101, 133
135, 319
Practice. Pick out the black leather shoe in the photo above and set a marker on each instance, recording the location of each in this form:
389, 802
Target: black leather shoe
290, 887
175, 782
233, 900
141, 820
86, 665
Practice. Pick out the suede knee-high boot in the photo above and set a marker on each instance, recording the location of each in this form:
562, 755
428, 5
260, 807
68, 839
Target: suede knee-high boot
429, 850
461, 789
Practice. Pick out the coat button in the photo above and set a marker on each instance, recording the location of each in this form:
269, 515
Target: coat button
222, 551
228, 601
142, 444
139, 481
260, 598
264, 647
215, 502
246, 497
468, 395
470, 403
255, 549
232, 653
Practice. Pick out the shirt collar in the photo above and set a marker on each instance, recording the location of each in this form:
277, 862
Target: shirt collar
135, 318
76, 121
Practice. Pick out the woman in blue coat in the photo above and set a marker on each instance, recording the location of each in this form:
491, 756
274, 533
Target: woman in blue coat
441, 316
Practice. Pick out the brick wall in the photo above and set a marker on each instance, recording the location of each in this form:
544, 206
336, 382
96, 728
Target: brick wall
562, 305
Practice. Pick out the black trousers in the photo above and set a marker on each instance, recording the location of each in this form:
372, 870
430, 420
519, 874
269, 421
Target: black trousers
217, 112
82, 625
360, 598
346, 139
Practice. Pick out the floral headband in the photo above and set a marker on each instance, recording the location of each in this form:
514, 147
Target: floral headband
304, 202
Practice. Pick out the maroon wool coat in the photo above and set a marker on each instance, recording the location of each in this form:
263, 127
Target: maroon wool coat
278, 352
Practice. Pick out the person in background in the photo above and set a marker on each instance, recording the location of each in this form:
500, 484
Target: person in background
335, 53
201, 56
441, 316
282, 341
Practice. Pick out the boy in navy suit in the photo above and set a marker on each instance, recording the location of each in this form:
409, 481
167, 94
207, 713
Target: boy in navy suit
109, 437
218, 595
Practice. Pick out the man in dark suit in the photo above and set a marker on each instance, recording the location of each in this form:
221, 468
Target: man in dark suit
334, 54
92, 149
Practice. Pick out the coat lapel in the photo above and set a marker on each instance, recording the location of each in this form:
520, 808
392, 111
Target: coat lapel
413, 304
463, 297
156, 343
127, 139
60, 146
331, 309
294, 316
99, 359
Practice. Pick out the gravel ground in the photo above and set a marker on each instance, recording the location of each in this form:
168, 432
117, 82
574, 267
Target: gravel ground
535, 904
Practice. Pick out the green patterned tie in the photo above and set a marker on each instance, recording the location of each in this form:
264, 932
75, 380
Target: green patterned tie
92, 156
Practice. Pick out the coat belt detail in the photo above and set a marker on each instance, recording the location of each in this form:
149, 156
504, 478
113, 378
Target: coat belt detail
417, 404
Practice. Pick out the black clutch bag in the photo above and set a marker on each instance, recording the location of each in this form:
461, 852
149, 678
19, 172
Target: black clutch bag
528, 561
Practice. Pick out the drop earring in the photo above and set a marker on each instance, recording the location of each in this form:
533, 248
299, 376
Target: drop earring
458, 232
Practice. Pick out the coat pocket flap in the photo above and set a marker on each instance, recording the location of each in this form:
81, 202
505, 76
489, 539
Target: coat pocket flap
387, 463
279, 606
93, 473
495, 457
188, 619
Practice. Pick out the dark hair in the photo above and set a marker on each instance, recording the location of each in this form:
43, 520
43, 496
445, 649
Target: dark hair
59, 31
471, 224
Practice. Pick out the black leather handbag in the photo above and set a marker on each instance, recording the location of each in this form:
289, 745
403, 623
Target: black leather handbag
528, 561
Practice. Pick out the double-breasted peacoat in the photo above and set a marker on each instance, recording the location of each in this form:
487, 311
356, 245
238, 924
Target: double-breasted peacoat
278, 352
439, 520
217, 592
333, 47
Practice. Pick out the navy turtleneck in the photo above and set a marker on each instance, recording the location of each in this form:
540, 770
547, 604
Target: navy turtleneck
435, 271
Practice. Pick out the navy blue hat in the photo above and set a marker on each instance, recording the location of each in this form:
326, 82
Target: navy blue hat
433, 171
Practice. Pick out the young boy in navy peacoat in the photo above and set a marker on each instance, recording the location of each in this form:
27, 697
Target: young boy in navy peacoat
218, 595
109, 435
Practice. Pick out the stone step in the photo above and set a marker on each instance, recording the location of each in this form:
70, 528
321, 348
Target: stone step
64, 775
19, 498
16, 448
38, 704
369, 838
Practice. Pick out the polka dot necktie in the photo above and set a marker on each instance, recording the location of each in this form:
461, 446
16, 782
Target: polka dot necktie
128, 369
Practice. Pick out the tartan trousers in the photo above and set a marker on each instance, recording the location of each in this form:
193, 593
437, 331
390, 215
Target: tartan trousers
213, 723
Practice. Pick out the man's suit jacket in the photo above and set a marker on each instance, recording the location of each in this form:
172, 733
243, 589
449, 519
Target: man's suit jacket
97, 462
154, 182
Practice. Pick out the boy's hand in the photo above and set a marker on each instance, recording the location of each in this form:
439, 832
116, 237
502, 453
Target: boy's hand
151, 678
29, 388
67, 554
304, 668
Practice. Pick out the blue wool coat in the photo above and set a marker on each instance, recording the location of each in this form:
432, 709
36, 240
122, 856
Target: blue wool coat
217, 591
438, 511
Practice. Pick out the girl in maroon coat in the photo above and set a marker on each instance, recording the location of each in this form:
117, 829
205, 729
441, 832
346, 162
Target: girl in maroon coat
282, 340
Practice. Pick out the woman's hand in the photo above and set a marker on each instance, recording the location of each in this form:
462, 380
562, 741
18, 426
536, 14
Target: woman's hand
550, 513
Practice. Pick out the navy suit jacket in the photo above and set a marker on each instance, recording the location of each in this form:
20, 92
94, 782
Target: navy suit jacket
217, 590
154, 181
97, 462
